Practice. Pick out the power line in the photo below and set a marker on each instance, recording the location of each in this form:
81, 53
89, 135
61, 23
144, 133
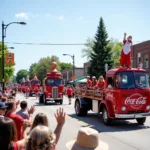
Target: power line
56, 44
46, 43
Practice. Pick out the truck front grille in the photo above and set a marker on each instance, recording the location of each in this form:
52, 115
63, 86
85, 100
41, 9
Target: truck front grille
55, 92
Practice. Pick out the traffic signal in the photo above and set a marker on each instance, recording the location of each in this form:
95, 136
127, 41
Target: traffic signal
10, 58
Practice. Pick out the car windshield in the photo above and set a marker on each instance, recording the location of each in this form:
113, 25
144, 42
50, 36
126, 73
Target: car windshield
127, 80
35, 82
53, 82
141, 80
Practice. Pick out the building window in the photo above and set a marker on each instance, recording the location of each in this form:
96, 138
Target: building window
146, 61
132, 63
138, 59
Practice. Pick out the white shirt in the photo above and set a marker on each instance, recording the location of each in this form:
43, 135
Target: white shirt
127, 48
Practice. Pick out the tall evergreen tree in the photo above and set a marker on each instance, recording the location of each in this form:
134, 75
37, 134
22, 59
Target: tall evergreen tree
102, 52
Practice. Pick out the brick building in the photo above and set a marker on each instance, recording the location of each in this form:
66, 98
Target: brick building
68, 73
85, 66
140, 53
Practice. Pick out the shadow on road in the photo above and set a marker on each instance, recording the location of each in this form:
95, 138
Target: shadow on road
96, 122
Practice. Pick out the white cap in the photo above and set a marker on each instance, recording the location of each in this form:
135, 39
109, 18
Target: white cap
93, 77
88, 76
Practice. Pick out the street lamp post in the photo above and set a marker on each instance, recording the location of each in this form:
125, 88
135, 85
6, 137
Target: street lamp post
4, 27
73, 68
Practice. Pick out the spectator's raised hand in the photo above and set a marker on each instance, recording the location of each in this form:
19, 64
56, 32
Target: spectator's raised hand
31, 110
60, 116
17, 102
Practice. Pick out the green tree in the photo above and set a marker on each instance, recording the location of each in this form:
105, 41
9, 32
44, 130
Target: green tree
116, 48
88, 50
114, 45
32, 70
43, 66
64, 65
102, 52
21, 74
9, 69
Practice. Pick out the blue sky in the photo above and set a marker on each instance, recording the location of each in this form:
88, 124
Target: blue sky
68, 21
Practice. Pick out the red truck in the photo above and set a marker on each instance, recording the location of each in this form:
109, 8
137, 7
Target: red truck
52, 86
35, 86
126, 96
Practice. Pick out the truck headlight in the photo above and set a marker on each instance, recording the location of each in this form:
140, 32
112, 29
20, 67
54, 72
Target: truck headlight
123, 108
148, 107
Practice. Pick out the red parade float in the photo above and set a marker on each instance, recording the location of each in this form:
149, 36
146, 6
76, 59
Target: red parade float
126, 94
35, 86
52, 86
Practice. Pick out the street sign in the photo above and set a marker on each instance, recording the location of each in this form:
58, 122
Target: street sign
10, 58
73, 78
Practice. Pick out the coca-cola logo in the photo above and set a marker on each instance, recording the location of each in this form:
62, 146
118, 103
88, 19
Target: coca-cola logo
135, 101
109, 96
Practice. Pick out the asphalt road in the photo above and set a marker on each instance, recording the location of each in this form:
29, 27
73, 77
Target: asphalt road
122, 135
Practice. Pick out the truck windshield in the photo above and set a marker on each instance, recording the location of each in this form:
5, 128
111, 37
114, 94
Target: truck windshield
141, 80
128, 80
35, 82
125, 80
27, 83
53, 82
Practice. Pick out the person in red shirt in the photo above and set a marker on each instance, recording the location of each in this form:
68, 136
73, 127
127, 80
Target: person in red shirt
101, 83
19, 121
88, 82
94, 81
27, 90
69, 93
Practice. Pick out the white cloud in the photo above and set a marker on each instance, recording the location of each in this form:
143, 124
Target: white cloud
22, 15
61, 17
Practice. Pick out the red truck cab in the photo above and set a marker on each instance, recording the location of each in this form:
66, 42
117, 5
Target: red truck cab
126, 96
52, 87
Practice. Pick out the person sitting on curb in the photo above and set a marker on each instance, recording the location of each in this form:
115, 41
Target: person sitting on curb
87, 139
23, 112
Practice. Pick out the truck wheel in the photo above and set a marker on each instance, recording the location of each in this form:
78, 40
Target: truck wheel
44, 99
106, 118
141, 121
40, 99
61, 102
80, 111
30, 94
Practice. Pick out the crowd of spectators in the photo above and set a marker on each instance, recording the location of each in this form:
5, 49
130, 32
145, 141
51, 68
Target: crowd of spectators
20, 131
